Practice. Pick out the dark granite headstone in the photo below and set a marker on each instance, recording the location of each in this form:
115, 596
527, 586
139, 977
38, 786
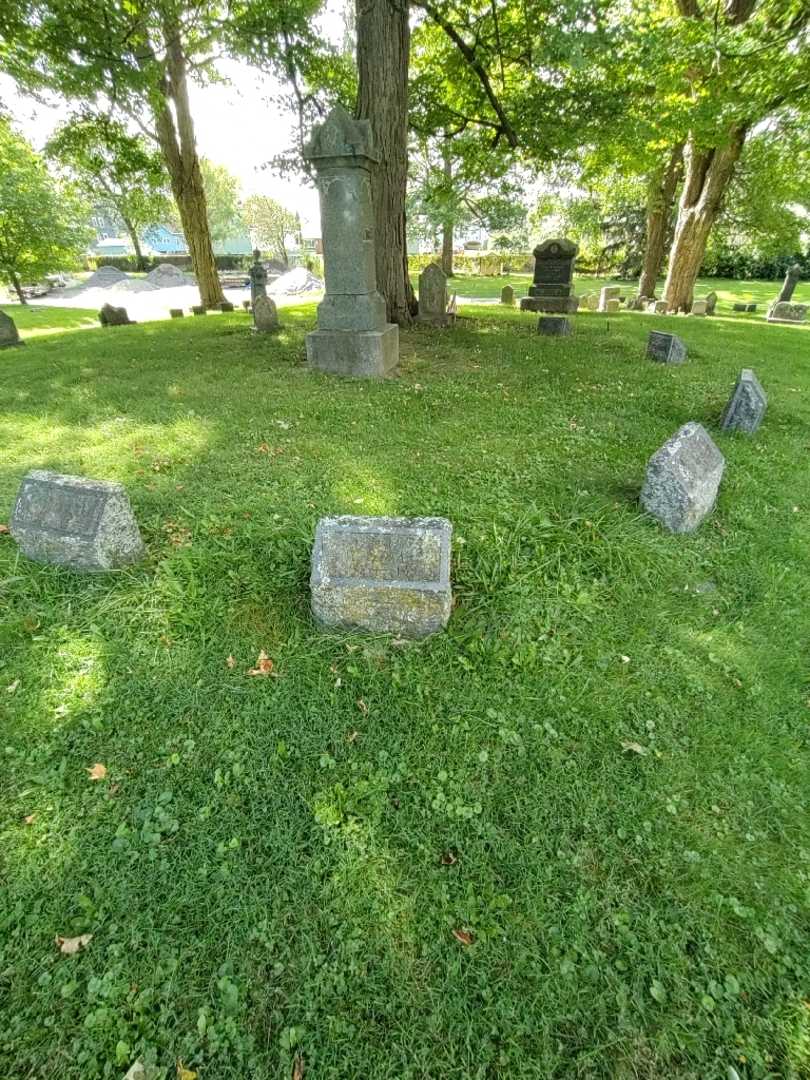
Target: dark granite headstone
9, 336
114, 316
750, 307
665, 348
746, 406
176, 312
76, 522
198, 309
554, 325
553, 276
383, 574
740, 307
508, 296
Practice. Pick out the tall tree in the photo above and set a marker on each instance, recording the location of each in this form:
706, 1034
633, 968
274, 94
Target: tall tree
270, 225
118, 171
43, 223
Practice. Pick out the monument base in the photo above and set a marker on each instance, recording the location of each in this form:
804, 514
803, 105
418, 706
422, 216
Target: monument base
783, 311
434, 320
553, 305
361, 354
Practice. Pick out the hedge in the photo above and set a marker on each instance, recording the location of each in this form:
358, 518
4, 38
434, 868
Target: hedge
129, 263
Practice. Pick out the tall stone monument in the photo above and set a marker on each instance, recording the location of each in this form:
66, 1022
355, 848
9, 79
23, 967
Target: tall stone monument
258, 277
353, 337
789, 284
553, 275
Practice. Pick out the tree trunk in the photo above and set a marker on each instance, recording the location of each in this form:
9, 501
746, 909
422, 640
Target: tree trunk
15, 284
660, 199
707, 174
179, 147
447, 225
383, 48
136, 243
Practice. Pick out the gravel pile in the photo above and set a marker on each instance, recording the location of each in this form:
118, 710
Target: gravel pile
166, 276
299, 280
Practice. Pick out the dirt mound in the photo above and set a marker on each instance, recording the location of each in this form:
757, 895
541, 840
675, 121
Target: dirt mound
166, 276
134, 285
299, 280
104, 278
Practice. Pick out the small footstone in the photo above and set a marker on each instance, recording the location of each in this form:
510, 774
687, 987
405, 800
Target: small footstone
750, 307
612, 305
265, 315
226, 306
9, 336
198, 309
666, 348
390, 575
508, 296
176, 312
610, 292
76, 522
699, 307
741, 307
114, 316
746, 406
554, 326
682, 479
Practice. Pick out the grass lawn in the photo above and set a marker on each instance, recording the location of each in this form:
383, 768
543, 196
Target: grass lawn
566, 838
34, 319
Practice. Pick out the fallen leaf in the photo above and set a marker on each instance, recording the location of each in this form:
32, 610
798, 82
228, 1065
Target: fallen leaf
14, 687
4, 529
263, 448
625, 659
448, 858
71, 945
463, 937
231, 662
361, 705
352, 736
264, 665
30, 819
185, 1074
637, 748
298, 1068
98, 771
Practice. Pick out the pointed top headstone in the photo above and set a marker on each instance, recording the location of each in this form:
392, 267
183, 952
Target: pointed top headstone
341, 136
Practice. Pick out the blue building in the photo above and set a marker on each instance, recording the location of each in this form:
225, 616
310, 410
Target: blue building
165, 241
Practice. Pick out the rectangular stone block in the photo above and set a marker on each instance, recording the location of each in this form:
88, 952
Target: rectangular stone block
385, 574
666, 348
548, 289
784, 312
359, 354
565, 305
613, 305
554, 325
74, 521
609, 292
746, 406
699, 307
682, 479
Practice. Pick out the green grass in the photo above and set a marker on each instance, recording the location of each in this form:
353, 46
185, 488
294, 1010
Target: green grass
728, 291
263, 870
35, 319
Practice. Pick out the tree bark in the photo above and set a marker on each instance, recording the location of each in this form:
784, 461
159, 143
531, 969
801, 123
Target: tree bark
707, 174
136, 243
660, 200
178, 144
447, 224
383, 49
15, 283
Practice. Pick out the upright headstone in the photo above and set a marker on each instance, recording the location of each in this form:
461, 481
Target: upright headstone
384, 574
784, 312
554, 325
226, 306
114, 316
609, 292
682, 479
353, 336
508, 296
176, 313
433, 296
665, 348
658, 307
750, 307
592, 301
613, 305
9, 335
637, 303
265, 315
699, 307
746, 406
76, 522
553, 276
246, 304
711, 302
258, 277
792, 277
198, 309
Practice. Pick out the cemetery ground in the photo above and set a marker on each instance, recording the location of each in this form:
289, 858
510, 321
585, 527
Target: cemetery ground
565, 838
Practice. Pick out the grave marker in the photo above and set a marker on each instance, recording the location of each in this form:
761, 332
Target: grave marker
746, 406
609, 292
508, 296
666, 348
114, 316
553, 275
554, 325
9, 335
680, 487
265, 315
433, 296
784, 312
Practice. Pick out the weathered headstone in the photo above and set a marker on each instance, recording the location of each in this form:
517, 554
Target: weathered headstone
226, 306
74, 521
353, 336
637, 303
553, 276
433, 296
176, 312
658, 307
592, 301
711, 302
198, 309
554, 325
9, 335
246, 305
508, 296
265, 315
746, 406
258, 277
384, 574
699, 307
613, 305
609, 292
114, 316
666, 348
789, 284
682, 479
784, 312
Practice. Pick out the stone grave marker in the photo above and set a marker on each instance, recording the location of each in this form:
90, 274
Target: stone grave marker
609, 292
750, 307
265, 315
226, 306
9, 335
699, 307
353, 336
740, 307
198, 309
246, 305
74, 521
711, 302
258, 277
746, 406
666, 348
792, 277
383, 574
613, 305
592, 301
554, 325
658, 307
784, 312
433, 296
508, 296
552, 286
680, 487
114, 316
637, 303
176, 313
